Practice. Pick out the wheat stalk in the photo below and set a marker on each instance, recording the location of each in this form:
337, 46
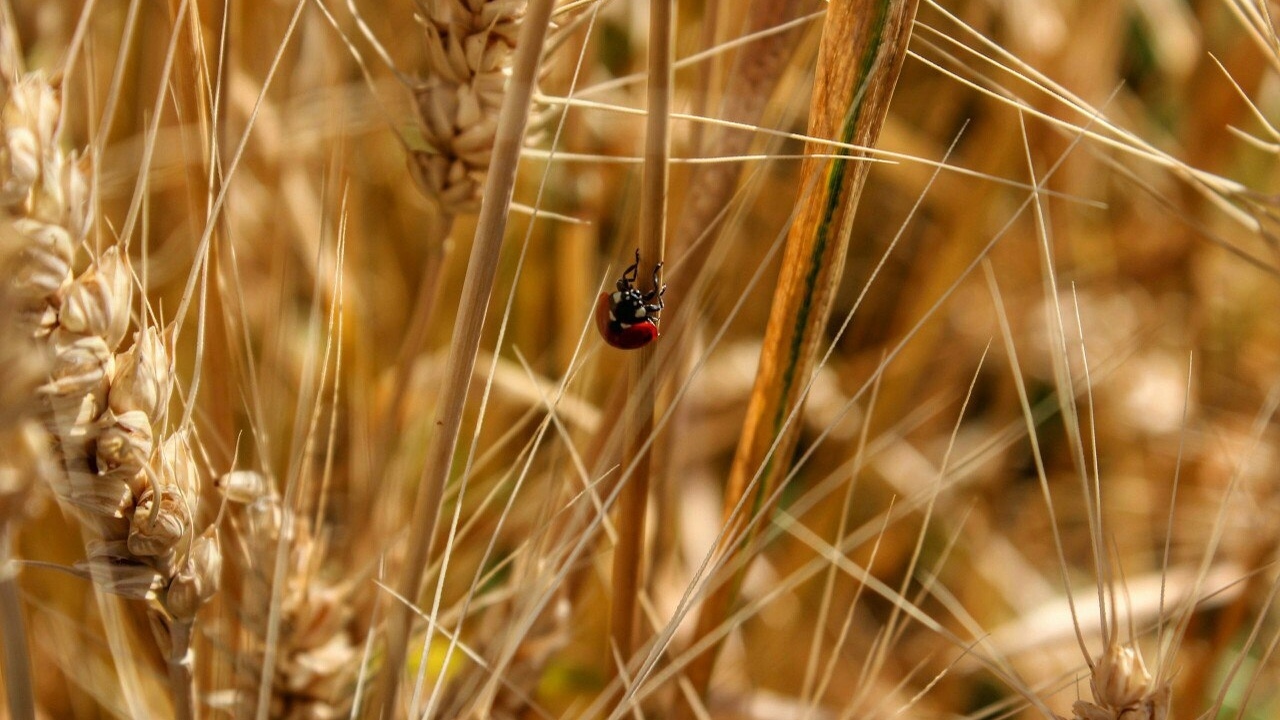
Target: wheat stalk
481, 271
633, 499
458, 95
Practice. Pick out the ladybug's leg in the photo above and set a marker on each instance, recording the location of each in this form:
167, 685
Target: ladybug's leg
655, 308
655, 292
628, 278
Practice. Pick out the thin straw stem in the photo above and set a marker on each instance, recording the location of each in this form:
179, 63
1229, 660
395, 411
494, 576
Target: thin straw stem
628, 556
477, 288
181, 679
17, 661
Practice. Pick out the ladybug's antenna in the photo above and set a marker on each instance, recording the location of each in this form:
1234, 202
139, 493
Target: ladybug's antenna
629, 275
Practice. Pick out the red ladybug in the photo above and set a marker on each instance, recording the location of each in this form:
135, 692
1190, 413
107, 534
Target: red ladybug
627, 318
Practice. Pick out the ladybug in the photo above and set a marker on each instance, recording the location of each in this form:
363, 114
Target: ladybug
628, 319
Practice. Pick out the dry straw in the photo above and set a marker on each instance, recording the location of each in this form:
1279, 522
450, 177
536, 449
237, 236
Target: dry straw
482, 267
633, 498
458, 94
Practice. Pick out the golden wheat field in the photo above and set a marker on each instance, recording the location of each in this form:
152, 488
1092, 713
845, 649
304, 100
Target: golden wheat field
754, 359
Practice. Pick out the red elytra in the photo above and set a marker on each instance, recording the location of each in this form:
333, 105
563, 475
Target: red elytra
635, 336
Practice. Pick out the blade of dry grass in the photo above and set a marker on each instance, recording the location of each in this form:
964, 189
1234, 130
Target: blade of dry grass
860, 57
478, 286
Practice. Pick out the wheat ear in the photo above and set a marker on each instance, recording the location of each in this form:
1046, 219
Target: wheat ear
316, 658
133, 489
469, 45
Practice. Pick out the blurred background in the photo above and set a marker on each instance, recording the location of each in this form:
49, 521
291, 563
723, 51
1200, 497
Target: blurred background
278, 156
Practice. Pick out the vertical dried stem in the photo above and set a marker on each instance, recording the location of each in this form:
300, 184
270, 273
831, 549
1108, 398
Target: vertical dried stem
863, 46
478, 286
17, 663
628, 558
181, 680
24, 462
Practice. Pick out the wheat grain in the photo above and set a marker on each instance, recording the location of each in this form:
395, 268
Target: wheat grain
1123, 689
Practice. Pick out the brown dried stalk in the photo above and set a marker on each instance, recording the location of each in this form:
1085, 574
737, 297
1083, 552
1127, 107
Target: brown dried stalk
628, 559
863, 46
